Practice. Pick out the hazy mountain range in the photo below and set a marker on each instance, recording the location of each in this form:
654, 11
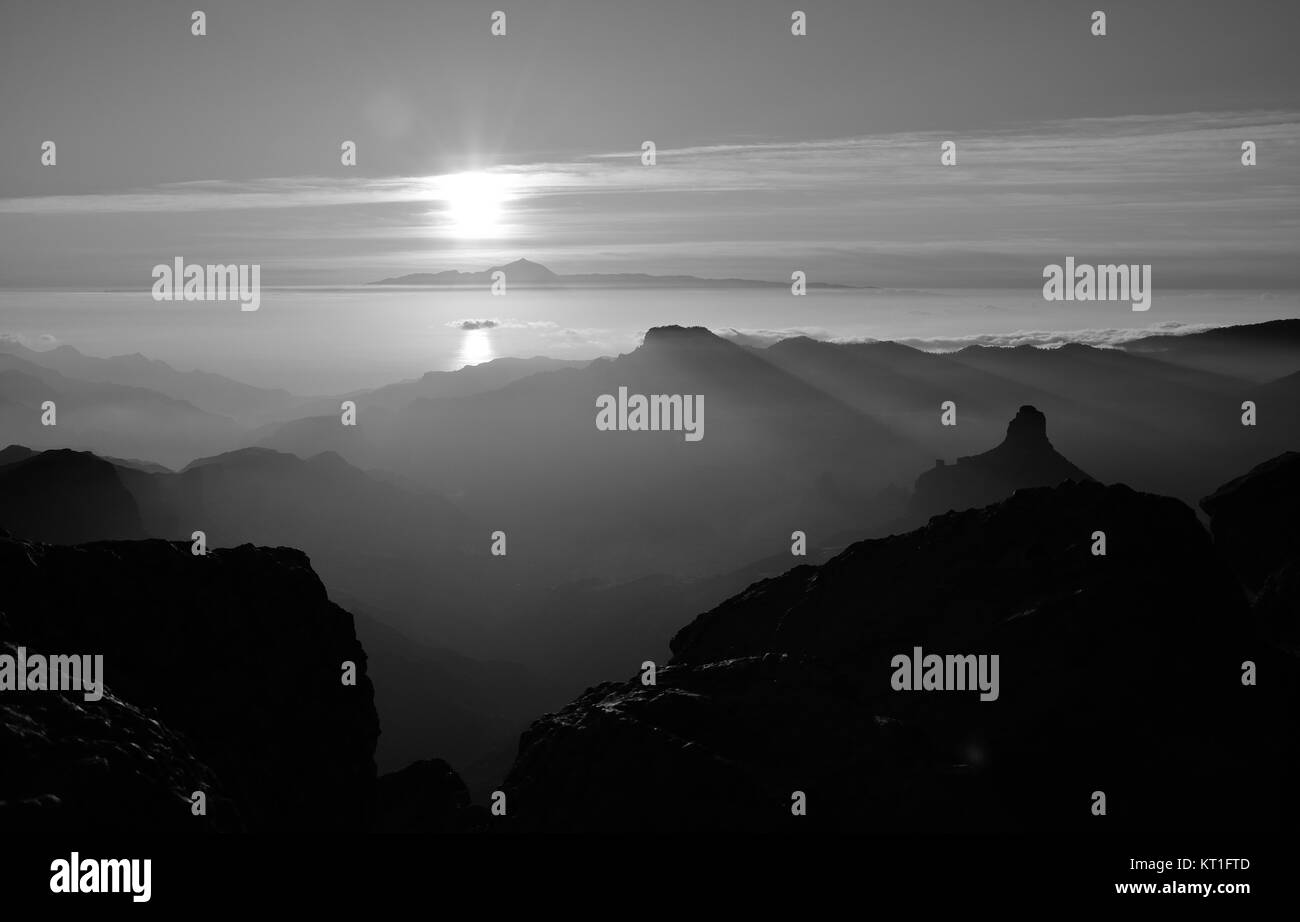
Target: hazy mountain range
835, 440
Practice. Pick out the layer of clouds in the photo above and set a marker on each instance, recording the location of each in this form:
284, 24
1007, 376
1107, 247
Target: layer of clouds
1111, 337
39, 342
1051, 339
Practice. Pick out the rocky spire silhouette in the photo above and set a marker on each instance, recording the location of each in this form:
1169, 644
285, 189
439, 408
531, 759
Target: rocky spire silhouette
1028, 428
1025, 458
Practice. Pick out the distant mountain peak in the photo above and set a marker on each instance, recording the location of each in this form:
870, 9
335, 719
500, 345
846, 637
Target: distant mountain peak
15, 453
525, 270
689, 339
255, 455
139, 359
675, 333
525, 263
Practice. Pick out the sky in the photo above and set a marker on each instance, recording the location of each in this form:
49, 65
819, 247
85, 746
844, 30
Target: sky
774, 152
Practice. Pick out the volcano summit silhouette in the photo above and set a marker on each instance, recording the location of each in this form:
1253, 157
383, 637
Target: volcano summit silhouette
525, 272
1024, 459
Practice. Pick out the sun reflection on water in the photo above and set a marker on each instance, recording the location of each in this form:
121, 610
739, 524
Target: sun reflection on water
475, 348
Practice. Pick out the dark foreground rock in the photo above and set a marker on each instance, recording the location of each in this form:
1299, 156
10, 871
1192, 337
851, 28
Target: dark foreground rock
426, 797
723, 747
1256, 524
235, 656
1118, 673
69, 766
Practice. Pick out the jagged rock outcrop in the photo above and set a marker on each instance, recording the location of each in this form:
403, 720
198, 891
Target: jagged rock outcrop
239, 652
723, 747
1256, 524
1119, 673
965, 574
69, 766
1025, 458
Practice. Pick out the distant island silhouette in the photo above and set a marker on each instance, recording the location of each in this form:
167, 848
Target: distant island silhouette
525, 272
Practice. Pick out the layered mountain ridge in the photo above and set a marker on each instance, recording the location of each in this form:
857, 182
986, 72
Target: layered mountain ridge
1121, 673
799, 435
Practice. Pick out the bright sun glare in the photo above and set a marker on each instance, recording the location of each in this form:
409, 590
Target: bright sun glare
475, 348
474, 203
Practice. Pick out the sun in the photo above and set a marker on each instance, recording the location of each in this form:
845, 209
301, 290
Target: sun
474, 203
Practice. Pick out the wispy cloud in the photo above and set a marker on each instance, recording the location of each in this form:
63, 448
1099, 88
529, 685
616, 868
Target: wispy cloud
221, 195
1040, 159
874, 210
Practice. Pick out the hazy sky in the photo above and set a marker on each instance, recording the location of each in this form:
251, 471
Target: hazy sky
775, 152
